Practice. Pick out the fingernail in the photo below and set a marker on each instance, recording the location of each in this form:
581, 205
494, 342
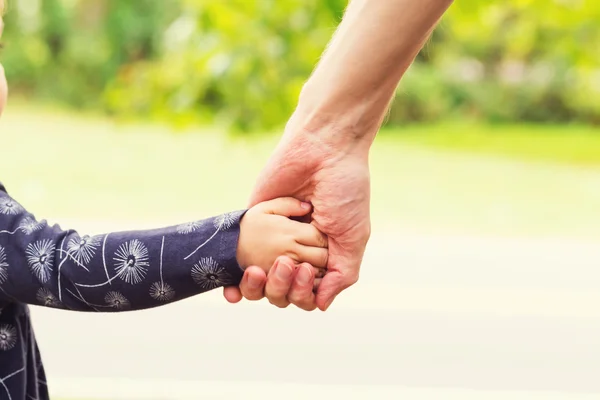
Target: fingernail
304, 276
253, 282
305, 205
283, 272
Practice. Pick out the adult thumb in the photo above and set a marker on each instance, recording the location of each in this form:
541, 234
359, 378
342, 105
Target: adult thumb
287, 207
332, 284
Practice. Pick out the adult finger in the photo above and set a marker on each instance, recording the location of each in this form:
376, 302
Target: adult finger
301, 293
316, 284
279, 281
232, 294
333, 283
253, 283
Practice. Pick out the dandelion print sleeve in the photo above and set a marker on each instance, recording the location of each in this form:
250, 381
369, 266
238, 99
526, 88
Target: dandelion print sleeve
48, 266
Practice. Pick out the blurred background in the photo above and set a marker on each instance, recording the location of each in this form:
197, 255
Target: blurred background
481, 278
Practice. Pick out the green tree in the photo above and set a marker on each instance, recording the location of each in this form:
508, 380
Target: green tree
242, 63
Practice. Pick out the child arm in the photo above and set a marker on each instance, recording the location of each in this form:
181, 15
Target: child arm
48, 266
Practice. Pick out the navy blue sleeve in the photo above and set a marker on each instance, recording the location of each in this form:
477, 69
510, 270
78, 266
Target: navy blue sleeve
47, 266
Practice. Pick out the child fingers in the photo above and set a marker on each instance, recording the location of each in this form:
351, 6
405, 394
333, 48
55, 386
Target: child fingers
286, 206
308, 235
316, 256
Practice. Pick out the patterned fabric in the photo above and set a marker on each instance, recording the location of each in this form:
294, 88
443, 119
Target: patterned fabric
46, 266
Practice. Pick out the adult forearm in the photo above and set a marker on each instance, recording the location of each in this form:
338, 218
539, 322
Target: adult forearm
350, 90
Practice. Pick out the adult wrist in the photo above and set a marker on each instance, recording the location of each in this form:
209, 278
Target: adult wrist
341, 129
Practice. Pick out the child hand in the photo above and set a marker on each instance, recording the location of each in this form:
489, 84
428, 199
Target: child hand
267, 232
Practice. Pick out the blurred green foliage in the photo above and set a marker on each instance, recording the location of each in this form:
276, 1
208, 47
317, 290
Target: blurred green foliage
242, 63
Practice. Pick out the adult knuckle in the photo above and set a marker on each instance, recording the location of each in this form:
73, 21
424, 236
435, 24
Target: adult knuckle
352, 278
278, 300
255, 296
252, 294
280, 304
308, 307
364, 235
296, 298
292, 254
302, 299
367, 235
305, 305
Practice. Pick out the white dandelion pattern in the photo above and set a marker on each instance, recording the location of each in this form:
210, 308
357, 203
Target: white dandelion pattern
116, 300
162, 291
3, 266
188, 227
46, 298
209, 274
83, 249
10, 207
29, 225
40, 255
225, 221
8, 337
222, 222
131, 261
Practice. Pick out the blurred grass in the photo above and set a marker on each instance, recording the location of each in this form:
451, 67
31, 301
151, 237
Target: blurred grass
572, 145
443, 178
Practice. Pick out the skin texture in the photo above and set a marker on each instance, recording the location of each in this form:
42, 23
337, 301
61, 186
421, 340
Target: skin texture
323, 155
266, 232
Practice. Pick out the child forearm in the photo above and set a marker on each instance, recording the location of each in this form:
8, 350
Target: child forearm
48, 266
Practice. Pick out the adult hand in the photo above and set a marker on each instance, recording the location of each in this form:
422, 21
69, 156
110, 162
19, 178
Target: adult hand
323, 157
286, 283
334, 177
